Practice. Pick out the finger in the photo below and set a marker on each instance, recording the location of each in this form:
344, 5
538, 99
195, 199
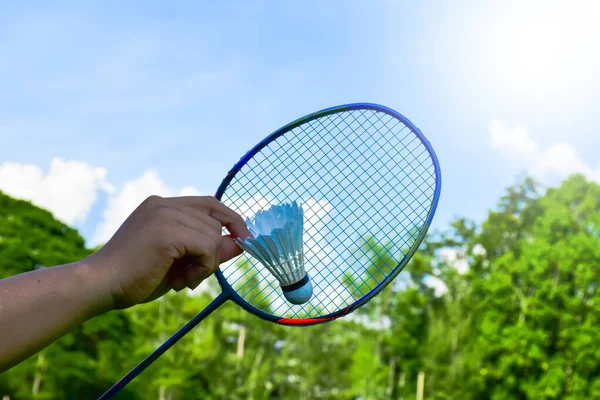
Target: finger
178, 282
197, 219
226, 216
161, 289
191, 218
195, 274
201, 245
176, 275
189, 271
229, 249
203, 224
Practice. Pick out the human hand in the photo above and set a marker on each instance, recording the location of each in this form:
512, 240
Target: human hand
166, 243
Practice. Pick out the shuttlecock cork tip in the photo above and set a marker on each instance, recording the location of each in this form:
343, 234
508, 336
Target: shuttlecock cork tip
299, 292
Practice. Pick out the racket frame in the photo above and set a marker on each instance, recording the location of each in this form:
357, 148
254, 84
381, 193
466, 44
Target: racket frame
228, 290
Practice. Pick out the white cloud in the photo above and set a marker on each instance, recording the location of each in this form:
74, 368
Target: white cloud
558, 161
515, 142
68, 190
561, 160
134, 192
190, 191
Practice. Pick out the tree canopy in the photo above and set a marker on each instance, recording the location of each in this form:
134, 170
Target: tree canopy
517, 319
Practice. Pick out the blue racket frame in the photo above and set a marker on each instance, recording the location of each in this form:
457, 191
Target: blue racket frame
228, 293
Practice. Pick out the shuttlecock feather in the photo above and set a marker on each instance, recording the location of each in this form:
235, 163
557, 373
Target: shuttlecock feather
278, 245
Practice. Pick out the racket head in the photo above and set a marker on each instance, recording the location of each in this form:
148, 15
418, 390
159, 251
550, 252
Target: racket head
323, 125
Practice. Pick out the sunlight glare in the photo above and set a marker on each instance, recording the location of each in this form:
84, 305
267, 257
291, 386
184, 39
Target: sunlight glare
540, 49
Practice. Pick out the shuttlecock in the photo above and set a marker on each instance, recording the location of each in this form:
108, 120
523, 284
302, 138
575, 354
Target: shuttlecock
278, 245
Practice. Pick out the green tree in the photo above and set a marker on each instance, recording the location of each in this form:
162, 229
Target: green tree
534, 294
32, 238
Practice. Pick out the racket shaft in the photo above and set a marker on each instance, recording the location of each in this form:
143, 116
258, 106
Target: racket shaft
165, 346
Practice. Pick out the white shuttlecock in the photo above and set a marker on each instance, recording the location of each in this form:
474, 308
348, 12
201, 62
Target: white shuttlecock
278, 245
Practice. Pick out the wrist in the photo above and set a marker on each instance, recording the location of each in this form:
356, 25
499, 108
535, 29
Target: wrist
98, 294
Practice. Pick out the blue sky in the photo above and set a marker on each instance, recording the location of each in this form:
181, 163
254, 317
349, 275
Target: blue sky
129, 99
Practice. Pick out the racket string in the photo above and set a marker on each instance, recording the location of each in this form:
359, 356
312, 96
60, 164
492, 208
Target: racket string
357, 172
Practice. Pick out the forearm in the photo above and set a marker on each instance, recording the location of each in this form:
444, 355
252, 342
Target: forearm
38, 307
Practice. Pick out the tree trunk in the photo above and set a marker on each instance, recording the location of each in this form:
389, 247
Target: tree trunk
382, 312
391, 390
254, 372
39, 371
420, 385
241, 341
523, 303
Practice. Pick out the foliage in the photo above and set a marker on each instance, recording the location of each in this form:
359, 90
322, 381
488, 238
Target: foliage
519, 319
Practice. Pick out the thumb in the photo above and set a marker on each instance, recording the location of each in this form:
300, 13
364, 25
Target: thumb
229, 249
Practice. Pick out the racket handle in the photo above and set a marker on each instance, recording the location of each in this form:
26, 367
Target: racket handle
218, 301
